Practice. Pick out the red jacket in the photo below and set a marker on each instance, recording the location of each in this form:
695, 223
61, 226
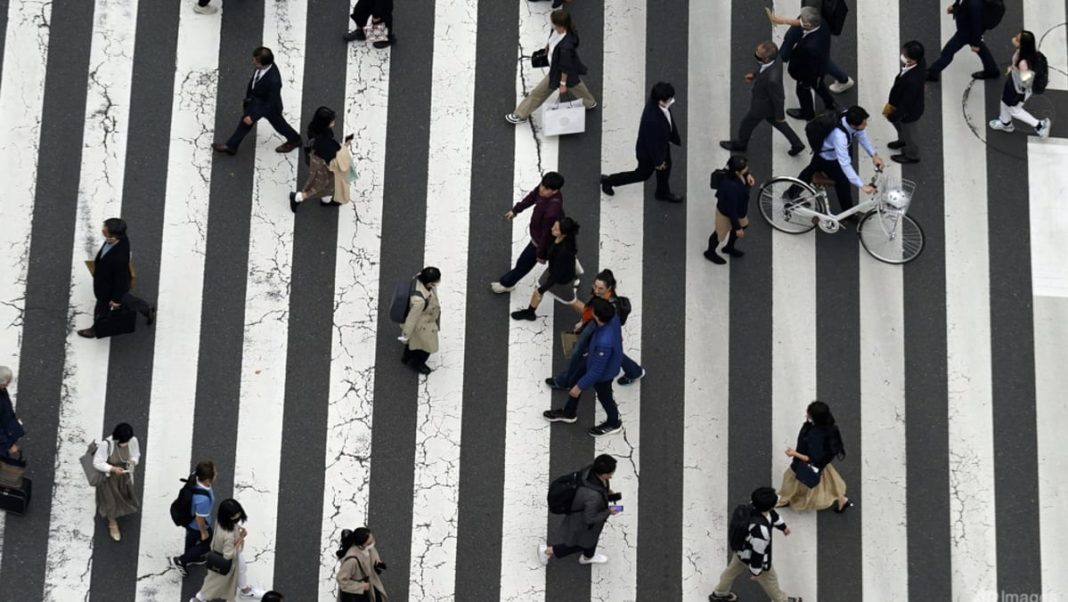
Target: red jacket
546, 212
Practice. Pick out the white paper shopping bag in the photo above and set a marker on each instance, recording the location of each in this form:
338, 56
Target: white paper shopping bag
563, 118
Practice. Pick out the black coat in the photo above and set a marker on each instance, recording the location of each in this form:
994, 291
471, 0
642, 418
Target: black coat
10, 428
768, 97
566, 60
111, 278
732, 200
907, 94
968, 15
808, 58
655, 133
266, 98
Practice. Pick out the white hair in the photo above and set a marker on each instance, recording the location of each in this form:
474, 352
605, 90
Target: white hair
5, 375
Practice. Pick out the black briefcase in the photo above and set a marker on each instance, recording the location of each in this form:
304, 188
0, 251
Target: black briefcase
115, 322
15, 500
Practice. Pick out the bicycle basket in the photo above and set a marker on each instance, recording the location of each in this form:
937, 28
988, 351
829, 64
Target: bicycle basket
896, 195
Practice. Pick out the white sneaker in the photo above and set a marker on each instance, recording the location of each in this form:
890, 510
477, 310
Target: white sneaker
995, 124
597, 559
252, 593
838, 87
513, 118
205, 10
541, 555
499, 288
1043, 128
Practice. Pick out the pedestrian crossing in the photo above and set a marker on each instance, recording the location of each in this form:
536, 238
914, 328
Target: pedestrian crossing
273, 358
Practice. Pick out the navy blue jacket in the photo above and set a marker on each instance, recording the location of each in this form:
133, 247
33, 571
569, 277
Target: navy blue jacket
10, 429
655, 133
808, 55
605, 356
732, 200
266, 98
969, 17
111, 275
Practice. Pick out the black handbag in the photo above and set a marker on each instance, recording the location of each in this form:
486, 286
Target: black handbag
539, 58
808, 474
115, 322
217, 563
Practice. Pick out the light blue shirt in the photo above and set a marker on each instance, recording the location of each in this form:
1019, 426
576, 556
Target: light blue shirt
202, 505
107, 247
836, 146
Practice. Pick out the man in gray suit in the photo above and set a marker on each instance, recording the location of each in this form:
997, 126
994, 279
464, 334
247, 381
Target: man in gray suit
767, 102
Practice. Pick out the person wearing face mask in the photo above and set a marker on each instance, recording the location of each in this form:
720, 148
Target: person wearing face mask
809, 55
905, 105
590, 509
228, 541
657, 132
834, 14
359, 575
565, 69
732, 209
1019, 85
420, 329
328, 163
835, 160
767, 103
117, 456
112, 278
818, 443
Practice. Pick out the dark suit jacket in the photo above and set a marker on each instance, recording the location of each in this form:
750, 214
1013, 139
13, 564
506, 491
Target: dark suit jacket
768, 99
655, 133
907, 94
566, 60
808, 57
266, 98
968, 15
111, 279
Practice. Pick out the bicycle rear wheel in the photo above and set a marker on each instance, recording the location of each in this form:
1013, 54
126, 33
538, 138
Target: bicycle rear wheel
780, 197
890, 237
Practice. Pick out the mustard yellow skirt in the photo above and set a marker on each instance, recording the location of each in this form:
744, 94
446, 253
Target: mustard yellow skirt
802, 498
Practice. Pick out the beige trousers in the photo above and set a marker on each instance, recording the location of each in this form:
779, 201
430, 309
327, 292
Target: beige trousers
768, 580
723, 226
542, 91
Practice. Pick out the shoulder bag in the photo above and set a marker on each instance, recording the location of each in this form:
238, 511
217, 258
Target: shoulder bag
94, 476
215, 561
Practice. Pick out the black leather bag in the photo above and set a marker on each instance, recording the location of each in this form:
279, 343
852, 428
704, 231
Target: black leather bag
115, 322
217, 563
539, 58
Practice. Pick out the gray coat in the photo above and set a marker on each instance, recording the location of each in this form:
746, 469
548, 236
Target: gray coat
582, 527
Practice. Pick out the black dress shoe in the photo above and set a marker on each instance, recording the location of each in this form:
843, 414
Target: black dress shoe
285, 148
795, 150
986, 75
895, 145
799, 114
389, 41
356, 35
423, 369
150, 319
732, 146
670, 197
222, 148
88, 333
606, 187
904, 159
293, 204
714, 257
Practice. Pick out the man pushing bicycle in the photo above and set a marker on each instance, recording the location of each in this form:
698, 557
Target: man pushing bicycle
831, 133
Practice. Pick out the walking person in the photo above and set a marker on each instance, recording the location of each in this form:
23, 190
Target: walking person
565, 69
204, 7
10, 426
819, 442
767, 102
808, 55
657, 132
228, 541
732, 210
111, 277
380, 30
835, 160
1019, 85
328, 163
590, 509
198, 530
117, 457
970, 19
358, 576
548, 204
833, 13
559, 278
603, 362
420, 330
905, 105
750, 542
263, 100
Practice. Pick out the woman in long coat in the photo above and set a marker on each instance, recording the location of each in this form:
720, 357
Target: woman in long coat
117, 456
358, 576
420, 329
228, 539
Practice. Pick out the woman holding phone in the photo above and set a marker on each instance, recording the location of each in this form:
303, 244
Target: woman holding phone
329, 163
358, 576
117, 457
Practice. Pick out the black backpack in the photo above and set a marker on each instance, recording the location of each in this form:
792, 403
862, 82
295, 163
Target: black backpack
717, 178
817, 130
623, 309
182, 506
401, 304
738, 528
993, 11
1041, 69
562, 492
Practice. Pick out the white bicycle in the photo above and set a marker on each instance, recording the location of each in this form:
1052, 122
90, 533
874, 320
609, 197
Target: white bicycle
887, 232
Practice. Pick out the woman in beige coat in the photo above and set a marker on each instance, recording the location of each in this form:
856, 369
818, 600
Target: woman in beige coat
328, 163
228, 539
358, 576
420, 330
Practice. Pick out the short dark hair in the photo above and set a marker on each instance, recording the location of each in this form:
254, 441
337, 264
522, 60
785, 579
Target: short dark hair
230, 513
768, 50
764, 498
123, 432
855, 115
603, 309
263, 55
913, 50
737, 163
205, 470
552, 180
115, 226
604, 464
273, 596
429, 275
662, 91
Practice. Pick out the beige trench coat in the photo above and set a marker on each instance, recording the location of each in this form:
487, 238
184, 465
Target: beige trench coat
339, 166
424, 320
355, 566
216, 586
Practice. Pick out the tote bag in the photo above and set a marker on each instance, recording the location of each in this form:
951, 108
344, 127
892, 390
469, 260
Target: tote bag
94, 476
562, 118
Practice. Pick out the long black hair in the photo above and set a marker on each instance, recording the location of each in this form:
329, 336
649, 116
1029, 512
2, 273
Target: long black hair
821, 416
320, 122
1028, 49
230, 513
570, 229
352, 538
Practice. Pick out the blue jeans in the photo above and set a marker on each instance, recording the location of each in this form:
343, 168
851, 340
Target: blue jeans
576, 366
953, 46
604, 395
526, 262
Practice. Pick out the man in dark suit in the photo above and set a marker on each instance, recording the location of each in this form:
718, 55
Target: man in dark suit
767, 102
968, 15
263, 100
657, 132
111, 277
905, 105
808, 59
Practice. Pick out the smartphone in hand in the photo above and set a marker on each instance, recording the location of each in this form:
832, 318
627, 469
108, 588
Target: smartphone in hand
617, 508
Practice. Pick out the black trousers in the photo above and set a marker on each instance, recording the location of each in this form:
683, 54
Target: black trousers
526, 262
277, 121
642, 173
804, 90
561, 550
365, 9
195, 548
135, 303
414, 357
751, 121
832, 169
954, 45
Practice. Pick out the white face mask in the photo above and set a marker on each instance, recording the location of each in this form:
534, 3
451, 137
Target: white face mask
669, 102
904, 61
369, 548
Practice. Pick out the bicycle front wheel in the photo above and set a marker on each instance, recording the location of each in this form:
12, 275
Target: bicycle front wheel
891, 238
780, 198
